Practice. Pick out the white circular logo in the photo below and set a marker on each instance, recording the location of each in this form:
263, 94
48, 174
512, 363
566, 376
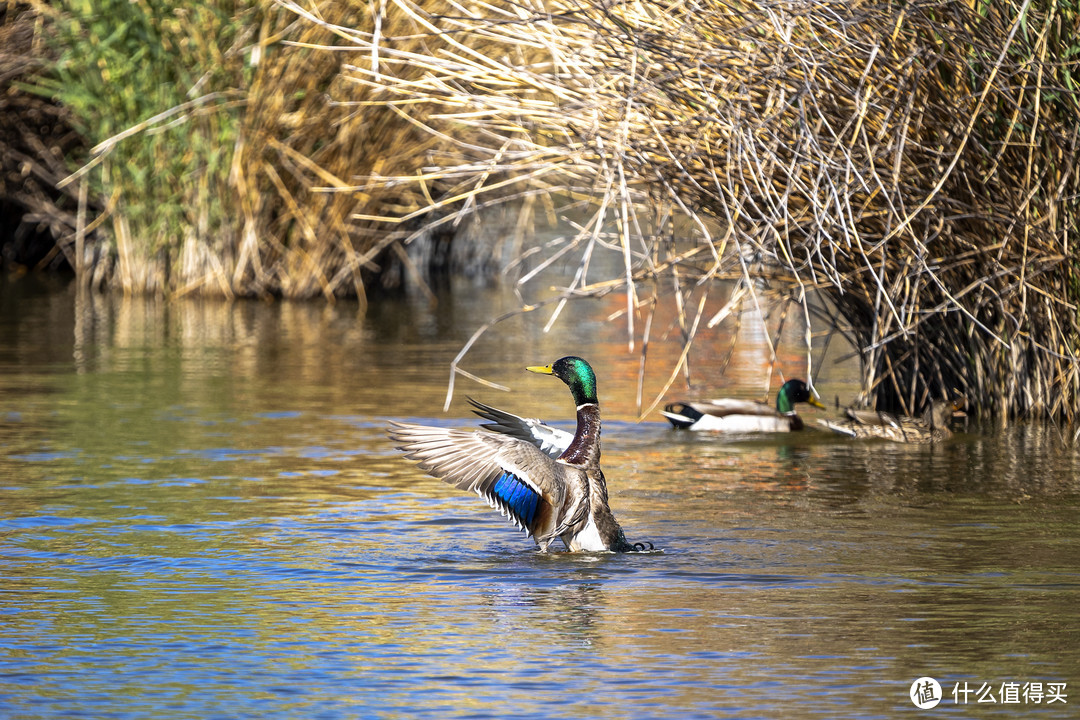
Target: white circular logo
925, 693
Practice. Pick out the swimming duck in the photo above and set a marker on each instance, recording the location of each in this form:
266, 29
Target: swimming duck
933, 426
743, 416
544, 480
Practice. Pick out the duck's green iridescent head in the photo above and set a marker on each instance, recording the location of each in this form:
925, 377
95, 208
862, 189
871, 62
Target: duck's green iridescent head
576, 373
794, 391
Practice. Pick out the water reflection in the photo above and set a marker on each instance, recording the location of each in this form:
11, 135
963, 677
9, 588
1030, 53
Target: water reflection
202, 516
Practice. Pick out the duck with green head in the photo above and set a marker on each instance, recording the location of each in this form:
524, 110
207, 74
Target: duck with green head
744, 416
546, 481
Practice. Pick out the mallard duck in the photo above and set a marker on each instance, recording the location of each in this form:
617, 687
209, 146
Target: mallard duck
743, 416
933, 426
544, 480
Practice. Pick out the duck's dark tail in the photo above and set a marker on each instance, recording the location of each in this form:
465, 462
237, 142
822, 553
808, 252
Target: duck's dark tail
681, 415
621, 545
632, 547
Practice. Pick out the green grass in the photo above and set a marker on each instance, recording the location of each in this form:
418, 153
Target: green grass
120, 63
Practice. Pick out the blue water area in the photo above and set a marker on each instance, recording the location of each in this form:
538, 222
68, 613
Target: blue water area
210, 521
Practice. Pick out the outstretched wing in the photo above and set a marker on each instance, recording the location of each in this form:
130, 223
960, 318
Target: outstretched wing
511, 474
551, 441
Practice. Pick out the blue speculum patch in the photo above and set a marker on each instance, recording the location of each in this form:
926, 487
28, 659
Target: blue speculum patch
518, 498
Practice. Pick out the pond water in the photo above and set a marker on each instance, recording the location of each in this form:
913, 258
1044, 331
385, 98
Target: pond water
201, 516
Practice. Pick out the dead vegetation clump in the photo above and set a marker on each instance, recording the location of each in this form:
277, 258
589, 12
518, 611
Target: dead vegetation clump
912, 166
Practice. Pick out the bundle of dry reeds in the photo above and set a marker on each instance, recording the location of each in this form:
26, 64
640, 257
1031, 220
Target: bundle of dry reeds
250, 159
339, 171
912, 164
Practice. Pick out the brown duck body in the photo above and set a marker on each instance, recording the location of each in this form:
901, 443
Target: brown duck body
932, 427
